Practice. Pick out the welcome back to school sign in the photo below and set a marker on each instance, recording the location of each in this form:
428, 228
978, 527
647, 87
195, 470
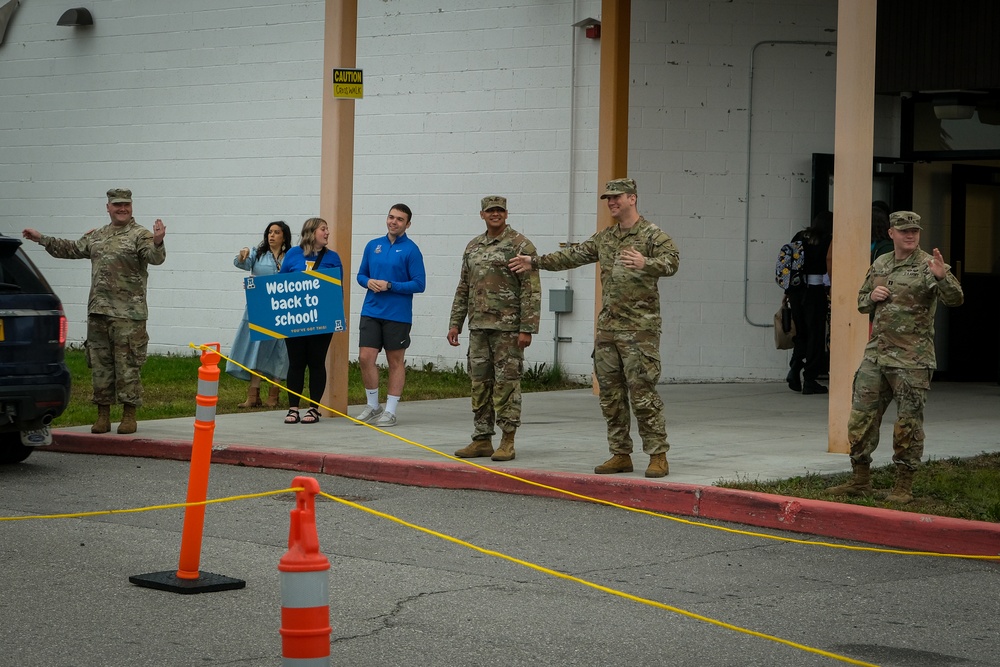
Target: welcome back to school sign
287, 305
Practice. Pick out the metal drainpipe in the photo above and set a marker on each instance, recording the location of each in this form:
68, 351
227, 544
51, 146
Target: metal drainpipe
746, 226
571, 167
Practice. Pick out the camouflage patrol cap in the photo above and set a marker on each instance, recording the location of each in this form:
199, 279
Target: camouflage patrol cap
619, 186
905, 220
119, 196
493, 201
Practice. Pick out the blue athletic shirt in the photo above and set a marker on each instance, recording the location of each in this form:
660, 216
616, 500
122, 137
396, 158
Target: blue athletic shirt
295, 260
402, 265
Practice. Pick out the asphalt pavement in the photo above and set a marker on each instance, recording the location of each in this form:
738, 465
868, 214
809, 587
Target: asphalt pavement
733, 431
399, 596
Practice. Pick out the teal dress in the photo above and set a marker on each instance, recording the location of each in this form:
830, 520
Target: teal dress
267, 357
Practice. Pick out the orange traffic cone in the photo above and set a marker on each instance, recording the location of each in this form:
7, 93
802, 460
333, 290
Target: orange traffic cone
305, 585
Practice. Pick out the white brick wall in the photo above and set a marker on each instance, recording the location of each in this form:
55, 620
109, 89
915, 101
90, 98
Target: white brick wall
461, 103
689, 151
212, 117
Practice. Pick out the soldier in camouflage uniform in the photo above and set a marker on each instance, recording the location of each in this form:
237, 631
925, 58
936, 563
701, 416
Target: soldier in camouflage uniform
503, 309
116, 310
902, 288
633, 255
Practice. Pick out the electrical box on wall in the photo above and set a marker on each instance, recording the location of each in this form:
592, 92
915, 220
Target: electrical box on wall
561, 300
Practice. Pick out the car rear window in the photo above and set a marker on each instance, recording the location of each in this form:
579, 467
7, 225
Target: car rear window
17, 273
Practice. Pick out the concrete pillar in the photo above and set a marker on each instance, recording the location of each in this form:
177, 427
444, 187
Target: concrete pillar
337, 175
612, 140
852, 198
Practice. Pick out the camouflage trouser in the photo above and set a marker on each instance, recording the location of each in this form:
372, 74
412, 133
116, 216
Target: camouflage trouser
627, 365
495, 365
874, 389
116, 351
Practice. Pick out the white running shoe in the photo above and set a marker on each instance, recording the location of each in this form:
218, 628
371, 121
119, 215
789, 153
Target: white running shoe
385, 420
369, 415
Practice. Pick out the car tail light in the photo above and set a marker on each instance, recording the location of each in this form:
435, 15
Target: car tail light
63, 328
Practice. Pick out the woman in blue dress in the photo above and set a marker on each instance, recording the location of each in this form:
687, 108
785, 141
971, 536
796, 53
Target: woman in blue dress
267, 357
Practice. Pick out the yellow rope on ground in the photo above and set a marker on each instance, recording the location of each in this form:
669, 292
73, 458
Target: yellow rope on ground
455, 540
150, 508
604, 589
609, 503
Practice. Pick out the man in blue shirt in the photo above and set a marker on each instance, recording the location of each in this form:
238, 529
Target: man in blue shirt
392, 270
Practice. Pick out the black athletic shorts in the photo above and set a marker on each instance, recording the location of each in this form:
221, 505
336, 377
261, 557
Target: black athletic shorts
383, 334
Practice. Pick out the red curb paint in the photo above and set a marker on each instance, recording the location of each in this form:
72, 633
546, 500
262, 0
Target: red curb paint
874, 525
108, 445
253, 457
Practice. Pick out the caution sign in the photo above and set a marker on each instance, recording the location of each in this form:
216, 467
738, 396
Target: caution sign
348, 84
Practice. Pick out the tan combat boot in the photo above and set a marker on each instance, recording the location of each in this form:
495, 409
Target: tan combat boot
902, 492
475, 449
860, 483
506, 449
128, 424
658, 466
617, 463
273, 394
253, 398
103, 423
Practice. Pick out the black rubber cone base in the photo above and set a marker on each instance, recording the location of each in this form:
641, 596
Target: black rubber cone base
205, 583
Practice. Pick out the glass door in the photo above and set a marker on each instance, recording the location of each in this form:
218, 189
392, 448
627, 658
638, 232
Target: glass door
974, 327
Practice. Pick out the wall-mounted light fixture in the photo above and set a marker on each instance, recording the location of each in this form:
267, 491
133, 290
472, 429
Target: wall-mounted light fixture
6, 11
591, 27
952, 109
78, 16
956, 104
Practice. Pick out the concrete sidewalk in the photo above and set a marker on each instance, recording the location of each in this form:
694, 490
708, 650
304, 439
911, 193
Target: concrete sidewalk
751, 431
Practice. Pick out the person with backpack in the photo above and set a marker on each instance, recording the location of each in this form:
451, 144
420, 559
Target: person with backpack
810, 303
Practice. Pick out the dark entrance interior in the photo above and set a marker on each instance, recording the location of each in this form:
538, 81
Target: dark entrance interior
974, 328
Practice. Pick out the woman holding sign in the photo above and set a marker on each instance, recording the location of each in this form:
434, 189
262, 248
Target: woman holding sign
268, 357
308, 351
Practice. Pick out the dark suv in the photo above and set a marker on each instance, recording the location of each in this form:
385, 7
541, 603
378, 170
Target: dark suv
34, 381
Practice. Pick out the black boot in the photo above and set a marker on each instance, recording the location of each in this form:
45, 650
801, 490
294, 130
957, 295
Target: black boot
813, 387
793, 378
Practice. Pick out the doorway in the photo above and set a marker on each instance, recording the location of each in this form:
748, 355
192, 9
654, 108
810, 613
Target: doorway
892, 182
974, 327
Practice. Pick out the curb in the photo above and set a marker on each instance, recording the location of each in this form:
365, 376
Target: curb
873, 525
